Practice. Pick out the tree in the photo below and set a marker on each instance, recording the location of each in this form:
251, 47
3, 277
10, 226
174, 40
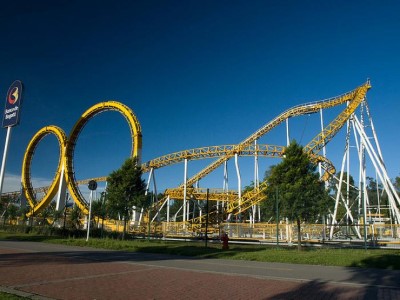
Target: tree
99, 209
126, 189
4, 204
75, 217
397, 182
302, 196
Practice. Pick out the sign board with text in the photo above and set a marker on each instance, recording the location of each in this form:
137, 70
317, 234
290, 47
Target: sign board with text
13, 105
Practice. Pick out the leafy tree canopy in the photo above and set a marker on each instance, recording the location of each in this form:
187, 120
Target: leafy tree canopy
302, 196
126, 190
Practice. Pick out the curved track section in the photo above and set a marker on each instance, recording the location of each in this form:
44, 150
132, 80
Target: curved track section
26, 168
308, 108
312, 148
354, 99
213, 151
80, 124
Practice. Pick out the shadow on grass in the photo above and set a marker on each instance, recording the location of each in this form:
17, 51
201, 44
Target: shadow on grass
215, 251
30, 238
386, 261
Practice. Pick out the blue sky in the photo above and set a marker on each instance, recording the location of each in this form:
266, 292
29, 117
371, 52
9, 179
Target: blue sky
195, 73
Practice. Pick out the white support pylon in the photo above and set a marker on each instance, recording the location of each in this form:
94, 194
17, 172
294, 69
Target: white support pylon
62, 190
380, 170
184, 190
256, 181
287, 132
239, 182
148, 181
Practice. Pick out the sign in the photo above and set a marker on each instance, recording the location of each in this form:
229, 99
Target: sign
13, 104
92, 185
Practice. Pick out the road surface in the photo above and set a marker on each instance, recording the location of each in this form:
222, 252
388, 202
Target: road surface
47, 271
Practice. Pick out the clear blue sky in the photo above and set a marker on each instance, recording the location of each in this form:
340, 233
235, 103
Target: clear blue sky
195, 73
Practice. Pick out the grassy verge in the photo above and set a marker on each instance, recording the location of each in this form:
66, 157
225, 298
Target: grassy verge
7, 296
371, 258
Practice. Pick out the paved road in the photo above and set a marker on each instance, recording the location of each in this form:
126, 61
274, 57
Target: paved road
46, 271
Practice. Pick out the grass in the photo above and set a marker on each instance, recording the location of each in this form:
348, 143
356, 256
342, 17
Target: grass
371, 258
7, 296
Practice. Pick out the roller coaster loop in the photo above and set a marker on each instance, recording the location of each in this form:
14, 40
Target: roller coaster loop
65, 169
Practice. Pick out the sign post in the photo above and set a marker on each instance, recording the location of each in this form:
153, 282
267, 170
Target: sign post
10, 119
92, 187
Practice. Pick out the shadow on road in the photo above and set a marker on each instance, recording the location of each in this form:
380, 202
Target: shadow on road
323, 290
364, 283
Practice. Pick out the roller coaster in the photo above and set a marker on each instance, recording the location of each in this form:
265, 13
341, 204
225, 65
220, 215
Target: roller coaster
230, 202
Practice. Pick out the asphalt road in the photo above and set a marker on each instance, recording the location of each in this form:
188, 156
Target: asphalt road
47, 271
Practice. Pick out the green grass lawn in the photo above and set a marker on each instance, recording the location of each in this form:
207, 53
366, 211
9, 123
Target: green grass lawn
7, 296
371, 258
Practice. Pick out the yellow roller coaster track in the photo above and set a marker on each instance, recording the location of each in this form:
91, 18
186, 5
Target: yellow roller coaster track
213, 151
246, 147
86, 116
354, 97
312, 148
67, 147
201, 194
250, 198
26, 167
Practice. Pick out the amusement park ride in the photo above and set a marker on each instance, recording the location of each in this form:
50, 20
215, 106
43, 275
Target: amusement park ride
354, 117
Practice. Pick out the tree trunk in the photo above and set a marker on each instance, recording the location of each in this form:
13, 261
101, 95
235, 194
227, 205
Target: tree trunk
298, 235
102, 226
124, 230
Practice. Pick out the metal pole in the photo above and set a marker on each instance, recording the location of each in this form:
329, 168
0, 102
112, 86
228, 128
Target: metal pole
184, 192
365, 215
148, 225
90, 215
3, 164
239, 186
287, 133
207, 217
168, 208
277, 217
256, 180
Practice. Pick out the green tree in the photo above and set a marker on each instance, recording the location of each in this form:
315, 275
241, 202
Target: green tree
75, 217
99, 210
22, 212
126, 189
302, 196
11, 213
397, 183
